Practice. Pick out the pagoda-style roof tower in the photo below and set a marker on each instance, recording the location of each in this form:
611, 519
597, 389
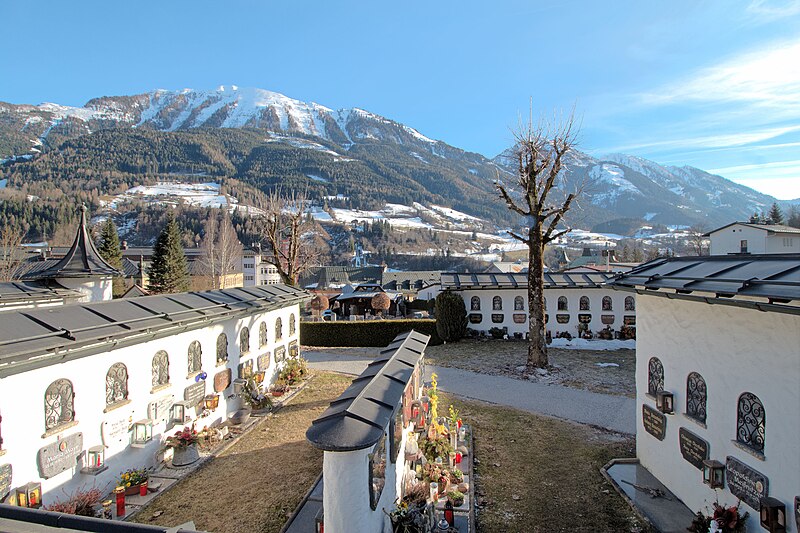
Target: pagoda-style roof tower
81, 261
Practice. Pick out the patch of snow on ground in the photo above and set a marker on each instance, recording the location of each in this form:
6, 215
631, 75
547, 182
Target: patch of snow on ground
192, 194
417, 156
649, 216
595, 344
452, 213
314, 177
606, 365
300, 143
398, 209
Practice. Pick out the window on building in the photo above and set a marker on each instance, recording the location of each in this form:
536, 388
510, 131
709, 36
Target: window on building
160, 369
59, 404
696, 397
630, 303
788, 242
222, 348
519, 303
584, 303
655, 376
244, 340
607, 304
195, 357
743, 246
278, 329
497, 303
262, 335
751, 422
475, 303
562, 303
116, 384
292, 324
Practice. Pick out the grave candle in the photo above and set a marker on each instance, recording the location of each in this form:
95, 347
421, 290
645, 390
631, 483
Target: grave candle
434, 491
120, 494
458, 458
143, 489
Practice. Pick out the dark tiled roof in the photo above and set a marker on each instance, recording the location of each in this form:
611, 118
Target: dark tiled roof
409, 280
41, 337
732, 279
130, 268
325, 276
16, 291
358, 418
135, 292
509, 280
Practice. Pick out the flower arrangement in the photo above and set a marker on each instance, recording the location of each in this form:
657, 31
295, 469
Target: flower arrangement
183, 438
433, 396
455, 420
80, 502
409, 517
133, 476
252, 395
438, 446
722, 520
294, 371
456, 497
456, 475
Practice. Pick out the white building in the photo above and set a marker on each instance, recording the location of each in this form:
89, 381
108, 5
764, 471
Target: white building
15, 295
75, 377
722, 335
500, 300
257, 271
749, 238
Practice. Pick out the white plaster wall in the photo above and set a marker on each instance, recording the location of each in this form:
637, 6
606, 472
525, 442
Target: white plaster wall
736, 350
727, 241
778, 244
573, 302
94, 289
22, 398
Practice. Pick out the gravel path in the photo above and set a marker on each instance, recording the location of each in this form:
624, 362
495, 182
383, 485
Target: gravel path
616, 413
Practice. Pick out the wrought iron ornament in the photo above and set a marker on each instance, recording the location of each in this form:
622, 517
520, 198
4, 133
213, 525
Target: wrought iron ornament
59, 403
655, 376
195, 357
751, 422
116, 384
696, 397
160, 368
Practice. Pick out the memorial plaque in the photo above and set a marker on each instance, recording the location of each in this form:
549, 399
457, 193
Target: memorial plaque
475, 318
562, 319
60, 455
159, 410
520, 318
607, 319
629, 320
498, 318
693, 448
584, 318
654, 421
5, 481
797, 511
245, 369
194, 393
745, 483
116, 433
280, 354
222, 380
294, 349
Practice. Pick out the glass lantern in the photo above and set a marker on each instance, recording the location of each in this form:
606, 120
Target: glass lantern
773, 515
95, 460
30, 495
211, 401
142, 433
180, 412
664, 402
713, 474
259, 376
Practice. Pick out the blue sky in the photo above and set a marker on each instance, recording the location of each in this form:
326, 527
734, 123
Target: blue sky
713, 84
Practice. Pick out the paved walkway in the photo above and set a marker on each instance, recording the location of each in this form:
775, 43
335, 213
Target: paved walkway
616, 413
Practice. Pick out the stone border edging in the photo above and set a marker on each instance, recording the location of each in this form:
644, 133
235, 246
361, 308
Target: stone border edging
300, 506
607, 476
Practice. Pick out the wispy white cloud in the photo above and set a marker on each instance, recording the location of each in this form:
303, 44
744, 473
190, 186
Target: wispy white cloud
779, 178
773, 9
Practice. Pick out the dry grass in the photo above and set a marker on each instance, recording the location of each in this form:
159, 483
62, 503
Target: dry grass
537, 474
256, 484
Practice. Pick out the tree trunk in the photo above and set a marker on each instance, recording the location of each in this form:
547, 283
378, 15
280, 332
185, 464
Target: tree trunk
537, 344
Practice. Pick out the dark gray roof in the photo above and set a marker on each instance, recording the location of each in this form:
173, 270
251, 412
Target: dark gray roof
772, 228
510, 280
414, 280
41, 337
358, 418
326, 276
135, 291
729, 279
82, 259
17, 291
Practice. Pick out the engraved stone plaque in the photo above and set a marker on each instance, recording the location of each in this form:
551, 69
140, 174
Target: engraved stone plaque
222, 380
60, 455
280, 354
246, 369
5, 480
263, 361
194, 393
654, 422
116, 433
745, 483
159, 410
693, 448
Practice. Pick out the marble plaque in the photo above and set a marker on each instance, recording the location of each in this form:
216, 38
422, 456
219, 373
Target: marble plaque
294, 349
60, 455
159, 410
246, 369
654, 422
520, 318
607, 319
475, 318
222, 380
562, 319
5, 481
194, 393
693, 448
280, 354
745, 483
116, 433
263, 361
629, 320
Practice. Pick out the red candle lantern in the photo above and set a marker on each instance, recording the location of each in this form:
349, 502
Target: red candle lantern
120, 494
458, 458
143, 488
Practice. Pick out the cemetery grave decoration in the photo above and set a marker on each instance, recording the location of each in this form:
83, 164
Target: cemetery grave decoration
80, 502
456, 497
280, 387
254, 397
294, 371
411, 514
184, 446
132, 479
722, 520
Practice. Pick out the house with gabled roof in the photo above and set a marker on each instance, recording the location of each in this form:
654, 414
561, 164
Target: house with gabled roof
754, 238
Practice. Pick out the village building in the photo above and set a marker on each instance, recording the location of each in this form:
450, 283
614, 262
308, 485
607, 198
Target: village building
356, 301
575, 303
256, 271
89, 390
754, 238
718, 380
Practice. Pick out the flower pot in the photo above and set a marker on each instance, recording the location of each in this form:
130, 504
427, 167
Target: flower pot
277, 393
185, 455
239, 417
132, 490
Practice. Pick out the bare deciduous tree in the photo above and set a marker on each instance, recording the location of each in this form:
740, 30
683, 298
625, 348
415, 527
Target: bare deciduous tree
285, 226
538, 196
698, 243
10, 255
223, 251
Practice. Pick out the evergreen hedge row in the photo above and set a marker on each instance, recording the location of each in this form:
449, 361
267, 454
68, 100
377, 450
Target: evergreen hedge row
363, 333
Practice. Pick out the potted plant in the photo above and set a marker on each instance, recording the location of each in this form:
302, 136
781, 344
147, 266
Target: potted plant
456, 497
722, 520
456, 476
279, 388
80, 502
131, 480
257, 401
184, 446
438, 446
409, 516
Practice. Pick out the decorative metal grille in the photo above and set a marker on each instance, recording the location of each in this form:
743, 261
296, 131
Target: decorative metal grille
160, 368
751, 422
519, 303
696, 397
262, 335
59, 404
607, 305
630, 303
562, 303
475, 303
584, 303
222, 348
278, 329
244, 340
497, 303
655, 376
292, 324
195, 357
116, 384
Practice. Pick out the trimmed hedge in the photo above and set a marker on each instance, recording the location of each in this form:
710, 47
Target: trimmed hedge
363, 332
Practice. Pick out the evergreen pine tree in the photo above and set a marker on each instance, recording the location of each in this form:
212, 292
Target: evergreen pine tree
110, 250
168, 270
451, 316
775, 214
